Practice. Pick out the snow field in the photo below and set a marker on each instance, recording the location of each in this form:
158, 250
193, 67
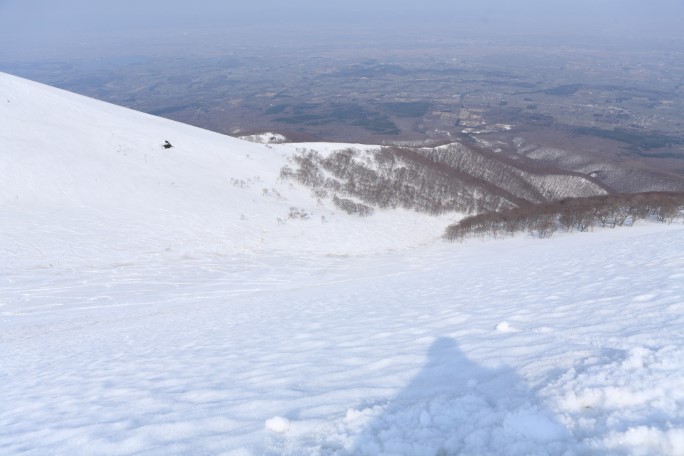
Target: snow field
394, 353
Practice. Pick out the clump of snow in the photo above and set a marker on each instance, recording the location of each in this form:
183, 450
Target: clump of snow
503, 326
278, 424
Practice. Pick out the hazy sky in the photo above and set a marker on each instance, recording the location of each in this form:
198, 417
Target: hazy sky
35, 25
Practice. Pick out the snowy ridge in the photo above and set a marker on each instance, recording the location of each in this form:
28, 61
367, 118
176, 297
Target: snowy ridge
626, 176
140, 313
265, 138
520, 182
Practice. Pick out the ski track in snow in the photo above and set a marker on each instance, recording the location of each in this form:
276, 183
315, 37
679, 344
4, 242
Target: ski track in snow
162, 302
394, 353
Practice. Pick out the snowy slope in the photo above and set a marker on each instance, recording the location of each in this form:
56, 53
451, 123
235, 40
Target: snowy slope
566, 346
141, 314
97, 174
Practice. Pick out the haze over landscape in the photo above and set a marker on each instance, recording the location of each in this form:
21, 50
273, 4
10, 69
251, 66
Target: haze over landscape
341, 228
36, 19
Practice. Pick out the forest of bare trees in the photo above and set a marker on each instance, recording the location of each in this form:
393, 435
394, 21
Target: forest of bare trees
453, 178
572, 214
504, 197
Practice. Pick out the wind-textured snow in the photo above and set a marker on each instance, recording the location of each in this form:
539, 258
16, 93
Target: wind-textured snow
141, 313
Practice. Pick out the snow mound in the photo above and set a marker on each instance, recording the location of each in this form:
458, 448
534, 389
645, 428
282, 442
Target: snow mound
278, 424
504, 326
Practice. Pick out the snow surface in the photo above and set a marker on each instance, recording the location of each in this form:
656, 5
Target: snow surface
140, 314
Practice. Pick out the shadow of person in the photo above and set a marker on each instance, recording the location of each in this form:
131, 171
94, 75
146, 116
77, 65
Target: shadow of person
455, 406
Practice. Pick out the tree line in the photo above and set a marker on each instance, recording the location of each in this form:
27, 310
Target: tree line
571, 214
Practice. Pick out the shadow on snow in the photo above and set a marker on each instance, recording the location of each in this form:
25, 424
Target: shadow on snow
455, 406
